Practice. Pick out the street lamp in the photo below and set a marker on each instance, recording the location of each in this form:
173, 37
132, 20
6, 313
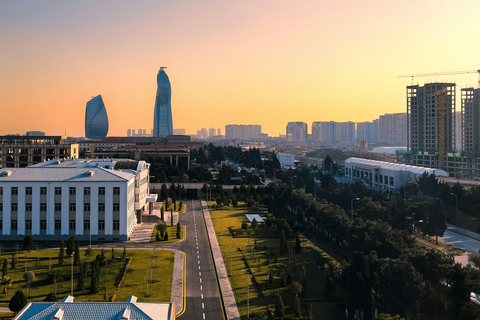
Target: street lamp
351, 205
72, 271
247, 272
456, 206
90, 229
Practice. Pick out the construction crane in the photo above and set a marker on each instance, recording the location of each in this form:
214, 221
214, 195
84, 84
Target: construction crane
435, 74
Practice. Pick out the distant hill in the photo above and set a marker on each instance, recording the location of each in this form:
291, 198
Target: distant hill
339, 155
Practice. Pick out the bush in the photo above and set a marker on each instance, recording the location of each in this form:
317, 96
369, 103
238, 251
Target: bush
244, 225
54, 276
28, 243
51, 297
166, 236
18, 301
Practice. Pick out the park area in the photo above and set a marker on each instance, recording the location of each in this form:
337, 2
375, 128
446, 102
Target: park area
274, 262
120, 273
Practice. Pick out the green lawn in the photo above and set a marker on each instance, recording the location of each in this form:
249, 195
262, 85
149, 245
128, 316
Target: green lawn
303, 268
172, 234
134, 283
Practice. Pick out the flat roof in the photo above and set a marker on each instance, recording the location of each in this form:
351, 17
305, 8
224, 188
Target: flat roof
397, 166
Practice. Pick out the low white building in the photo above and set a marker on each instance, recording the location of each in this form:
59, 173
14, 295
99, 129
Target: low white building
386, 176
286, 159
101, 199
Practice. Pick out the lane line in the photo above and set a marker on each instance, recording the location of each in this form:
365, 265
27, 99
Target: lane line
203, 306
200, 280
201, 288
202, 296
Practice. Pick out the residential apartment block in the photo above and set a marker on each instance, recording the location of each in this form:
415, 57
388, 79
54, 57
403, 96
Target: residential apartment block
243, 131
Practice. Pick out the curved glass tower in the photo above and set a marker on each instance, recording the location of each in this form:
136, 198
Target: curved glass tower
96, 120
162, 117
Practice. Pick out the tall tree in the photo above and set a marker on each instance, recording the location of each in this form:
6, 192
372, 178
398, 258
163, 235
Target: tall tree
18, 301
279, 312
70, 246
28, 243
76, 255
61, 253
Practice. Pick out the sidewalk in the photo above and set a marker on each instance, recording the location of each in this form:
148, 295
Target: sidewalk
226, 291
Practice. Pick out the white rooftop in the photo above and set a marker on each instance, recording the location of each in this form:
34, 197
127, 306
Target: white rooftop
63, 174
255, 216
398, 167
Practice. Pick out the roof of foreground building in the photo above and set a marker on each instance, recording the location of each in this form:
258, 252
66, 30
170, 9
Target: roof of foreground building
69, 310
398, 167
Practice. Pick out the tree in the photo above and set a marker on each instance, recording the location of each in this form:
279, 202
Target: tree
113, 257
162, 214
70, 246
14, 262
254, 224
298, 245
51, 297
161, 227
166, 236
94, 280
297, 307
434, 222
81, 278
28, 243
157, 236
327, 163
61, 253
18, 301
76, 255
5, 282
4, 267
171, 217
359, 285
279, 312
29, 277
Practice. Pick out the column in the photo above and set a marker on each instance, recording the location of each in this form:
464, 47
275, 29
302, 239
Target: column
35, 209
79, 210
65, 210
7, 213
94, 209
21, 210
108, 210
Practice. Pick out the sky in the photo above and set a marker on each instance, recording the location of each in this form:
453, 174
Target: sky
229, 62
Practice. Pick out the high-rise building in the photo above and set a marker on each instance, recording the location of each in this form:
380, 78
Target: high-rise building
431, 118
129, 132
211, 132
162, 117
368, 131
242, 131
96, 120
346, 131
297, 131
392, 129
181, 132
470, 120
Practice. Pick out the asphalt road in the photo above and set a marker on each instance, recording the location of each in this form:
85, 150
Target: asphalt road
202, 296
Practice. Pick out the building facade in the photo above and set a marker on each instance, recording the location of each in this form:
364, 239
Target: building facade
392, 129
96, 120
23, 151
90, 199
243, 131
162, 116
297, 132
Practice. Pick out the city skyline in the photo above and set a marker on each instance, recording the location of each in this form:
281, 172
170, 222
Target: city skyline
234, 62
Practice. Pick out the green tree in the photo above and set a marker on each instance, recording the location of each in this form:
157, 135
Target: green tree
279, 312
298, 245
18, 301
94, 280
254, 224
14, 262
359, 286
76, 255
166, 236
61, 253
5, 282
4, 267
29, 277
28, 243
161, 227
51, 297
70, 246
81, 277
327, 163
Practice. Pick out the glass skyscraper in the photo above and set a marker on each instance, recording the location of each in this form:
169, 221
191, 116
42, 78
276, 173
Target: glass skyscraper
162, 117
96, 120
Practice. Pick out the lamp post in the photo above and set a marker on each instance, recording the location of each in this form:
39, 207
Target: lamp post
71, 258
456, 206
247, 272
90, 229
351, 204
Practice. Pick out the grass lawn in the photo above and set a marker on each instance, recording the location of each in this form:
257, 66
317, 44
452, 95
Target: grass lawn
240, 254
172, 234
134, 283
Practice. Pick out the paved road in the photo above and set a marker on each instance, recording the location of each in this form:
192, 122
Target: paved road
468, 244
202, 297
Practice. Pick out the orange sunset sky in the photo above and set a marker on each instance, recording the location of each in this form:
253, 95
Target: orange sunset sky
229, 62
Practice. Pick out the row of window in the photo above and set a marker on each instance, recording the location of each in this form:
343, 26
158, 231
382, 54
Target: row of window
58, 225
58, 207
58, 190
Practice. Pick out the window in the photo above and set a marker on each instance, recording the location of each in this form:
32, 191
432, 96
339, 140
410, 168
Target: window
28, 190
101, 224
1, 190
71, 225
1, 224
28, 224
86, 207
116, 191
86, 191
101, 191
101, 207
14, 225
86, 225
72, 207
43, 224
14, 191
43, 207
72, 191
1, 206
58, 190
28, 207
116, 225
43, 190
116, 207
58, 224
14, 207
58, 207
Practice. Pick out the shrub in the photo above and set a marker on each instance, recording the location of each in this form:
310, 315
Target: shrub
244, 225
18, 301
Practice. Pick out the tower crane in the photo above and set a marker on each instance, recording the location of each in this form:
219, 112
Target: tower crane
447, 73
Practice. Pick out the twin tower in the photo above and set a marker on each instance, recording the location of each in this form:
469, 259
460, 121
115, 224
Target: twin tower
96, 120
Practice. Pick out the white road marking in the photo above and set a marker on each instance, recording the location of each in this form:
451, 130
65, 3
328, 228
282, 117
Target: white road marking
198, 267
198, 252
198, 257
204, 316
201, 288
199, 274
202, 296
200, 280
203, 306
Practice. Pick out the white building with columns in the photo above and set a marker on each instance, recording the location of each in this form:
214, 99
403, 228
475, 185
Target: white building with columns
101, 199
